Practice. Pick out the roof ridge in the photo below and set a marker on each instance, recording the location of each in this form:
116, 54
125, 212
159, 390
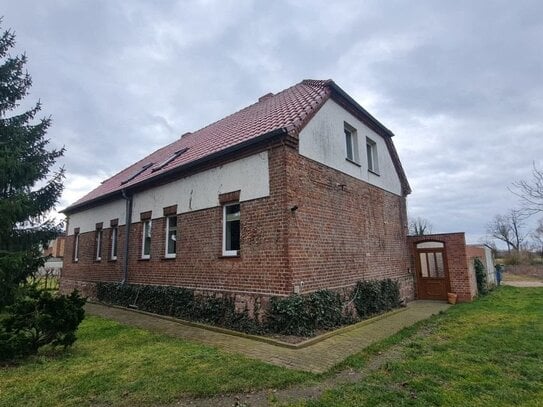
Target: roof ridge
289, 109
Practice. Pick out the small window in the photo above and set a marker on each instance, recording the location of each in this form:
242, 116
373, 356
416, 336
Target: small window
231, 229
171, 236
371, 150
146, 240
76, 247
98, 253
430, 245
114, 235
351, 143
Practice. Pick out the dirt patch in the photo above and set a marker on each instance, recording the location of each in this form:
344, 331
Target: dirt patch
524, 283
303, 392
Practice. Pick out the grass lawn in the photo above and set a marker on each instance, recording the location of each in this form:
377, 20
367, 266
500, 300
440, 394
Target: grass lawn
113, 364
487, 353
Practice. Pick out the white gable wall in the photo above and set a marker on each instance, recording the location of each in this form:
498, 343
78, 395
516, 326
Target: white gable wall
323, 140
195, 192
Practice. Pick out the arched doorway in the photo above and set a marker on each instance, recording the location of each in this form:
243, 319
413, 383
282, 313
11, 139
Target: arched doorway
432, 271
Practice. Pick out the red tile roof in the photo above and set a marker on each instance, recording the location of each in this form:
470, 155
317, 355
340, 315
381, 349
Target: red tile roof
289, 109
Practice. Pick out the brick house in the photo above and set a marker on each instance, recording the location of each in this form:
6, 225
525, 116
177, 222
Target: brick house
301, 191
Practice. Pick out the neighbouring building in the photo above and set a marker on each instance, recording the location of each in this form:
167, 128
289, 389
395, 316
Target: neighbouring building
54, 253
485, 254
302, 190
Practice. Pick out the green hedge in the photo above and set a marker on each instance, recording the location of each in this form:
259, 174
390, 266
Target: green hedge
375, 297
299, 315
177, 302
303, 314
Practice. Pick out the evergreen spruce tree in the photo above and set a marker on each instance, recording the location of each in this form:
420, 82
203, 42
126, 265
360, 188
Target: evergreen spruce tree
28, 187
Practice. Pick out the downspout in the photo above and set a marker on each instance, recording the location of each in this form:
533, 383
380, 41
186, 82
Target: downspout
128, 222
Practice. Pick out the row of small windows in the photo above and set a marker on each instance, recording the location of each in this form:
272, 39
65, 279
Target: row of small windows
351, 146
230, 237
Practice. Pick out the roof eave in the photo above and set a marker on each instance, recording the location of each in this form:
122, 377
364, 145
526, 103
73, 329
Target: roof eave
360, 109
190, 165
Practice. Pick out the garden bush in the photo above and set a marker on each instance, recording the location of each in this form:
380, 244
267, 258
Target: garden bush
375, 297
299, 315
38, 318
177, 302
480, 276
302, 315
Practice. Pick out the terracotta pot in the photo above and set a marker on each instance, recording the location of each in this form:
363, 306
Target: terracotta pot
452, 297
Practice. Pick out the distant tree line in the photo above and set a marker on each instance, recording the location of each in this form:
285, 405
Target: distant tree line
510, 228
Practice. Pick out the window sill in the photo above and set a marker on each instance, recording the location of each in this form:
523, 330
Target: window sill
374, 172
353, 162
112, 260
167, 258
230, 256
144, 259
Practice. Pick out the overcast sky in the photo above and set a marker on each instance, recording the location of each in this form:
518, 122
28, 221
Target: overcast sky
458, 82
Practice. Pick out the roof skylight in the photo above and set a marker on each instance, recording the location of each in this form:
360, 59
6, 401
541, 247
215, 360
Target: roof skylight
169, 159
141, 170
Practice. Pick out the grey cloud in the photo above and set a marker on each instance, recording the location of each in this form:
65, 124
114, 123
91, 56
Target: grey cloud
460, 83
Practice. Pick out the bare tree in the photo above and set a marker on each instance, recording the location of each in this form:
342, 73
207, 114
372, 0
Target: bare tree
530, 192
419, 226
508, 229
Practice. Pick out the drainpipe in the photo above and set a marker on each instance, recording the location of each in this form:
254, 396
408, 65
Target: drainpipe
128, 222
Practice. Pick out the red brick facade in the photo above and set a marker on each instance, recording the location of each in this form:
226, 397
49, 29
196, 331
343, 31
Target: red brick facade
343, 230
461, 279
318, 228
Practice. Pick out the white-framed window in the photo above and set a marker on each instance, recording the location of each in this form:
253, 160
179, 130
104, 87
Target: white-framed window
351, 143
114, 237
76, 247
146, 239
171, 236
373, 159
231, 229
98, 245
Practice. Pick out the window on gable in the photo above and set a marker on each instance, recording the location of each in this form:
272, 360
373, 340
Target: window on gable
351, 143
113, 237
76, 247
146, 240
231, 229
171, 236
371, 150
98, 245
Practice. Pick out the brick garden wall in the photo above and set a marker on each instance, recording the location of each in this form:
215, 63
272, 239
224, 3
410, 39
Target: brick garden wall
461, 278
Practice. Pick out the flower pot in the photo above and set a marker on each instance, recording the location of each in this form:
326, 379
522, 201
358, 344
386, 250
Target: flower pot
452, 297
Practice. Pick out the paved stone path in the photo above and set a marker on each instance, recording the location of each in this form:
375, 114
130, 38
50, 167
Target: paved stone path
317, 358
523, 283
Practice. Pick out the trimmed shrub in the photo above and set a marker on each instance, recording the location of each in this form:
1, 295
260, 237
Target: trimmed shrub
303, 315
299, 315
177, 302
375, 297
39, 318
